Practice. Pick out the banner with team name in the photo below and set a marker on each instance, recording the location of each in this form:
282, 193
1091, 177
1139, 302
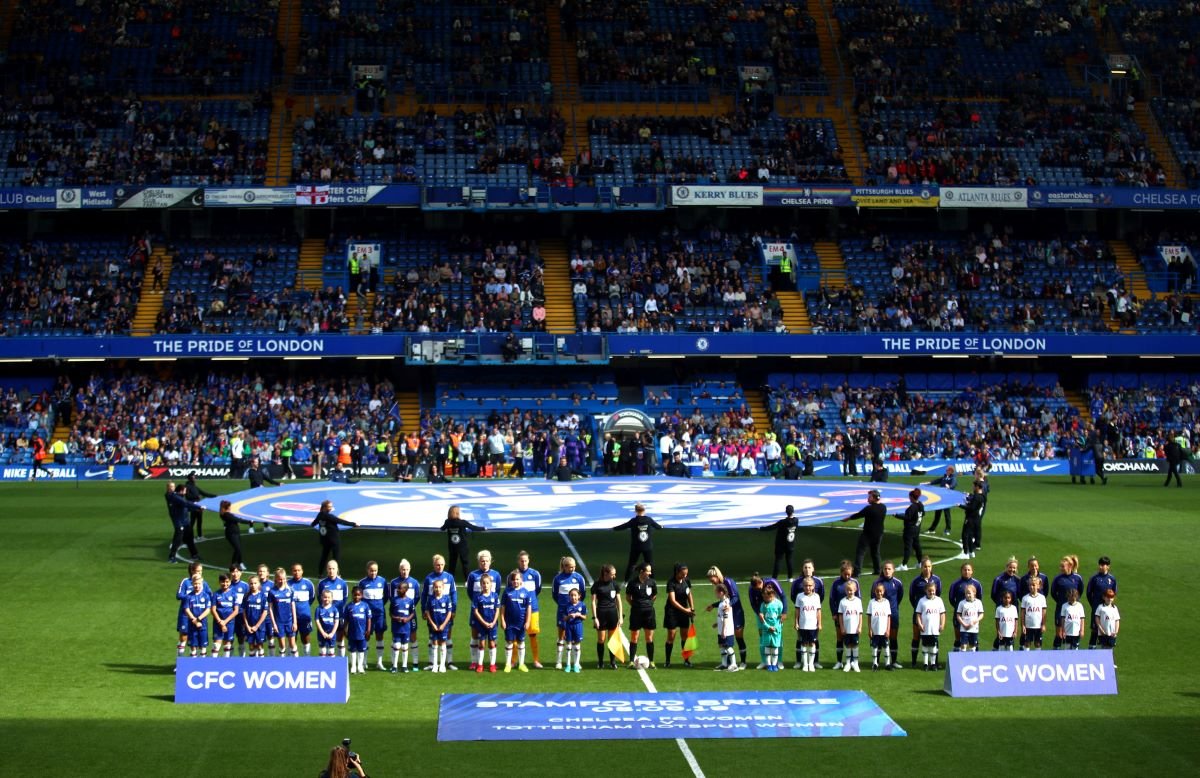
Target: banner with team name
262, 680
653, 716
1030, 673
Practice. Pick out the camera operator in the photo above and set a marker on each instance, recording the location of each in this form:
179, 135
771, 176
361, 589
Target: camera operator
343, 763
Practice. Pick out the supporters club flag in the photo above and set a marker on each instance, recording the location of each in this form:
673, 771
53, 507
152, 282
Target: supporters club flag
618, 645
689, 643
312, 195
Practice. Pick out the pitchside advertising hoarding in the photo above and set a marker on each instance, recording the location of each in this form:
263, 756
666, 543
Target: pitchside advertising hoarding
650, 716
262, 680
1030, 673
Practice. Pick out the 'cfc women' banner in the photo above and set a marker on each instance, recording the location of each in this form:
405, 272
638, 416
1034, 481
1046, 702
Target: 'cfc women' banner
649, 716
262, 679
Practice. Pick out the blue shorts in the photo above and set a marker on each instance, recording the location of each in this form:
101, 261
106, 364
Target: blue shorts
402, 633
879, 641
1108, 641
850, 641
438, 635
970, 638
181, 622
358, 645
304, 624
197, 637
284, 629
379, 623
257, 636
225, 633
573, 631
806, 635
514, 634
484, 633
327, 642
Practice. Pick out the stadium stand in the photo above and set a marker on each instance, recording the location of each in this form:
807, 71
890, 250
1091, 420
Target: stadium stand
977, 283
77, 287
198, 47
922, 415
736, 149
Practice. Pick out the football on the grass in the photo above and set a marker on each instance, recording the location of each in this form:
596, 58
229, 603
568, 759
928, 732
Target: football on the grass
641, 662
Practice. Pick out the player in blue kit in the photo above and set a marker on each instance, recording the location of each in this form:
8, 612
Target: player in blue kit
837, 590
893, 592
1067, 579
225, 616
329, 622
182, 592
196, 607
440, 573
563, 584
485, 616
240, 588
571, 626
403, 611
439, 612
305, 596
413, 593
268, 583
515, 612
474, 580
340, 592
533, 584
255, 616
1097, 585
358, 630
375, 595
916, 590
283, 613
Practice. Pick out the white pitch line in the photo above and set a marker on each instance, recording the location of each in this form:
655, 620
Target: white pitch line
578, 558
683, 746
688, 756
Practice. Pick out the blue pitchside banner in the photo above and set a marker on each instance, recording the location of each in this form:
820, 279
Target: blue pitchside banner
596, 503
1030, 673
262, 680
653, 716
37, 344
89, 472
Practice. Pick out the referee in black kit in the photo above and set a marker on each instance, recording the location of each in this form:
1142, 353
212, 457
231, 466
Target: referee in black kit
873, 515
640, 593
458, 533
641, 542
785, 540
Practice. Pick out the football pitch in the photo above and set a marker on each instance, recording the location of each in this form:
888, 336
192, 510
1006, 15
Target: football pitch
89, 689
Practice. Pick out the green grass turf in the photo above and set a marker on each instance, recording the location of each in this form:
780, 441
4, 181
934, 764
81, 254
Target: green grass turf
87, 647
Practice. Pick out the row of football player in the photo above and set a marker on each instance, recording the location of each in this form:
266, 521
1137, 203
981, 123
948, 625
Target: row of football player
263, 611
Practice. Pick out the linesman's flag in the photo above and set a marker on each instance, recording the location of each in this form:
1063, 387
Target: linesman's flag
689, 643
618, 645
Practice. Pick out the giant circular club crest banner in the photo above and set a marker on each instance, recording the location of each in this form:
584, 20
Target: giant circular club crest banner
594, 503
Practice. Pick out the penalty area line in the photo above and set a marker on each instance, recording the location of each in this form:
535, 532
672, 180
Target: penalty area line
688, 756
578, 558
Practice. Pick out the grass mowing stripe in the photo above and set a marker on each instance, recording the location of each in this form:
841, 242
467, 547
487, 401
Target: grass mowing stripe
688, 756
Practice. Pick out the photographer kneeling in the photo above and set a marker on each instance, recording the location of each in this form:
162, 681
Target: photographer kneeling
343, 763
